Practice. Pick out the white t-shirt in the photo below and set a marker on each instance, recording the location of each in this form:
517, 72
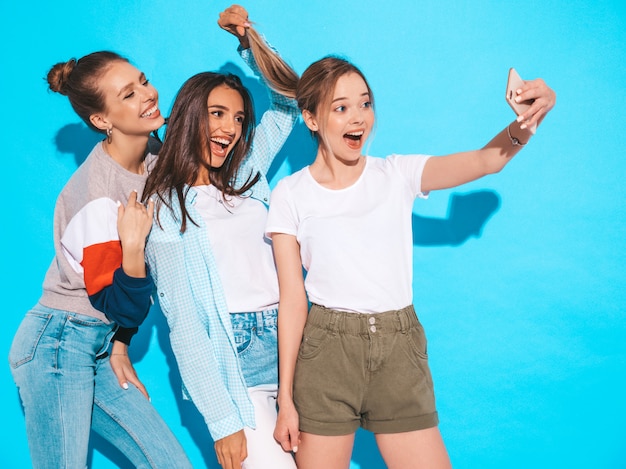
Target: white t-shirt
356, 243
242, 253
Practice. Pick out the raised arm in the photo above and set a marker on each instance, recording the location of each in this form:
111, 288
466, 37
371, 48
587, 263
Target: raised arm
292, 314
235, 20
448, 171
280, 80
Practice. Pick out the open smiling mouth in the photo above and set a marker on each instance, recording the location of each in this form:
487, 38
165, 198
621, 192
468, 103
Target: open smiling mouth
151, 111
353, 139
219, 146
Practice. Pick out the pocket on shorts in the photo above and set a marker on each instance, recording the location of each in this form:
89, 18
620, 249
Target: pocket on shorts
245, 347
27, 338
313, 340
417, 340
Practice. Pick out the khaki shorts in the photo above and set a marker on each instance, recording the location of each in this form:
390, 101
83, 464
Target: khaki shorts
368, 370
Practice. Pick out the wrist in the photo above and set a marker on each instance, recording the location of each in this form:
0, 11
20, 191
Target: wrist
284, 400
516, 137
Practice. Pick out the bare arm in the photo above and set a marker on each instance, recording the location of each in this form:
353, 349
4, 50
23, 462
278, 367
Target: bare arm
292, 314
459, 168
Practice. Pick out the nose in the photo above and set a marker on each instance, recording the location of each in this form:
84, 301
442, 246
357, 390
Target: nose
357, 116
228, 125
150, 93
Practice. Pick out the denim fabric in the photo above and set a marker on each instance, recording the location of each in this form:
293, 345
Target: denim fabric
67, 387
256, 337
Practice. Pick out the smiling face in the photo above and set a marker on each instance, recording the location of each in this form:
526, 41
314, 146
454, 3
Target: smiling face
131, 102
226, 117
349, 118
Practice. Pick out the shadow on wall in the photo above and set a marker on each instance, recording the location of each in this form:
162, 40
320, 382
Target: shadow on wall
78, 140
467, 215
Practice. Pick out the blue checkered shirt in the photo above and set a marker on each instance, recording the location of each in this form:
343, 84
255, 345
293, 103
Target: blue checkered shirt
191, 295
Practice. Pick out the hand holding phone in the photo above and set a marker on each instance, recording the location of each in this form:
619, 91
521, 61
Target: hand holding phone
514, 83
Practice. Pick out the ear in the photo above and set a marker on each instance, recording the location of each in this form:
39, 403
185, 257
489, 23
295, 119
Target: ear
100, 122
310, 121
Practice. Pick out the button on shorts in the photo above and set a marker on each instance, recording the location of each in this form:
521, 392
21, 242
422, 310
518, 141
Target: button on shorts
363, 370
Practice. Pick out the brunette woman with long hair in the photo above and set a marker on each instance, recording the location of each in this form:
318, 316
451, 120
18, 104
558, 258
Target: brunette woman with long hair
213, 268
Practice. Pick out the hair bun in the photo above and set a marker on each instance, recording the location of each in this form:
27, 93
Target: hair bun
59, 75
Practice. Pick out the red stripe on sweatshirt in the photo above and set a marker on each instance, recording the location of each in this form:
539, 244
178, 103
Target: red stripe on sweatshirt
99, 262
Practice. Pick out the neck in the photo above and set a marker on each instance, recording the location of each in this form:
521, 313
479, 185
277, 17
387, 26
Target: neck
128, 152
335, 173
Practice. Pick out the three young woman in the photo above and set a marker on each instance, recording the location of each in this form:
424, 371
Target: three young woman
213, 269
358, 357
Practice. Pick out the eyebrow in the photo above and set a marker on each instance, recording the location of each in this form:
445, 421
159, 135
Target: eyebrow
343, 97
225, 108
142, 78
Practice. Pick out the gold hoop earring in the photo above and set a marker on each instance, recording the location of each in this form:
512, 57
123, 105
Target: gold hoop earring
109, 135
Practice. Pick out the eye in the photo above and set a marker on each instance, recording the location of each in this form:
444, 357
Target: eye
216, 113
146, 82
340, 108
239, 119
367, 104
129, 95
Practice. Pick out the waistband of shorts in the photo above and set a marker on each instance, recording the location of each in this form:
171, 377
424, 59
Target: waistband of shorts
400, 320
267, 318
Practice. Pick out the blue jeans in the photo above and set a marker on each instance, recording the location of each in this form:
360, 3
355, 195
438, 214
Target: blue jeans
68, 388
256, 337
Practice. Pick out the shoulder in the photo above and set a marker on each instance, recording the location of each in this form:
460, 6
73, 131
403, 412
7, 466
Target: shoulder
397, 163
295, 179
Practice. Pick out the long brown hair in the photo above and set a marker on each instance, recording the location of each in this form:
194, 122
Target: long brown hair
187, 141
79, 81
279, 75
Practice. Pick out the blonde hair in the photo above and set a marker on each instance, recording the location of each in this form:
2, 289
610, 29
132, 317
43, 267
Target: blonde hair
279, 75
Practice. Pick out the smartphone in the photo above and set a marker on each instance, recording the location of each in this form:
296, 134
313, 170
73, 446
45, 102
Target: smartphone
513, 83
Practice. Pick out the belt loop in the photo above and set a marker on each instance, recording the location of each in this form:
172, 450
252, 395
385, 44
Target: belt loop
404, 324
260, 324
333, 318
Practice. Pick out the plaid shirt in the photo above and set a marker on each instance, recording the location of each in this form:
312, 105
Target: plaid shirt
190, 292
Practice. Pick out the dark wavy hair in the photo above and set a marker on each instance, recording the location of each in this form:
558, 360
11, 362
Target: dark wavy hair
187, 142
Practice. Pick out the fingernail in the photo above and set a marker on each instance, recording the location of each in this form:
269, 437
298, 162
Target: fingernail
118, 203
125, 385
517, 99
519, 118
247, 24
295, 449
523, 126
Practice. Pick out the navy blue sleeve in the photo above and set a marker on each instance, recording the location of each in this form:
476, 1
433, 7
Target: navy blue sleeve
124, 335
126, 301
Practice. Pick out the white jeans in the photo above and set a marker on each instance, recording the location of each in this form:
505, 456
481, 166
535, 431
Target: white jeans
263, 450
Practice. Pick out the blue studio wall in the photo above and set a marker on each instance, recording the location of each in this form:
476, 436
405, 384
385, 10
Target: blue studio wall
519, 277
